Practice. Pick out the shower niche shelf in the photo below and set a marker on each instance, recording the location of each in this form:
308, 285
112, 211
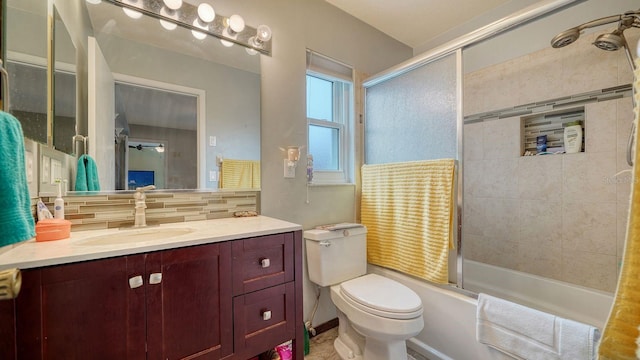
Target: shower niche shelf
551, 124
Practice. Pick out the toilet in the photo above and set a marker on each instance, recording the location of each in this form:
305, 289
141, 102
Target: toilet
376, 314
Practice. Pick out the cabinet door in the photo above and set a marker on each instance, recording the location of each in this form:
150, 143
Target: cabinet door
89, 310
189, 303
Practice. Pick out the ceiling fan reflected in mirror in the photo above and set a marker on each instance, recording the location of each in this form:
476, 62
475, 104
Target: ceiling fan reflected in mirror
159, 148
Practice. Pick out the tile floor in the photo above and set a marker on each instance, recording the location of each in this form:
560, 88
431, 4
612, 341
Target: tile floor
321, 347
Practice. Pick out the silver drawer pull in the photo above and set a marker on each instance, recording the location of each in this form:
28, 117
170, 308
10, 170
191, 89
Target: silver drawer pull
155, 278
325, 243
265, 263
135, 282
266, 315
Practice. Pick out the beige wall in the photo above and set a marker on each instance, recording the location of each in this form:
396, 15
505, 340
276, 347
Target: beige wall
557, 216
297, 25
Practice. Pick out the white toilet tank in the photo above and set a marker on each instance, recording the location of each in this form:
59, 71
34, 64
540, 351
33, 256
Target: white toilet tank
334, 256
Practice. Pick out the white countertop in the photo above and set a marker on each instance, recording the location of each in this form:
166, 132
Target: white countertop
31, 254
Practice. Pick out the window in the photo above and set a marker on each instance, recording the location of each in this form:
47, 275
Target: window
330, 119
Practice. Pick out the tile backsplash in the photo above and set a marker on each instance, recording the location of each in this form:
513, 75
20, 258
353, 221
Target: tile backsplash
114, 210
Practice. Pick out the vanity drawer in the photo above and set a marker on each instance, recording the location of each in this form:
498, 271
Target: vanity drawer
264, 318
261, 262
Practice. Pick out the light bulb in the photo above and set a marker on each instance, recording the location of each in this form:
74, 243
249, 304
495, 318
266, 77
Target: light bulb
206, 12
236, 23
160, 148
173, 4
228, 34
232, 26
94, 2
251, 51
168, 25
132, 13
263, 33
170, 14
198, 34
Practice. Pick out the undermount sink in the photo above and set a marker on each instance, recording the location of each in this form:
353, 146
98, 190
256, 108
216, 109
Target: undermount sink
136, 235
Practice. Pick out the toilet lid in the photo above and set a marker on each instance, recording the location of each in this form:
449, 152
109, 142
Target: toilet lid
382, 296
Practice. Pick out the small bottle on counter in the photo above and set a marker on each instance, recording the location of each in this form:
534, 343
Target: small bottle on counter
58, 204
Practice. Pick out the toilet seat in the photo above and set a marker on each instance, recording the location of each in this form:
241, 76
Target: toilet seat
381, 296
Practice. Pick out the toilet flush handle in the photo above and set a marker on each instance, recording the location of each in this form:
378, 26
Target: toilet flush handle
325, 243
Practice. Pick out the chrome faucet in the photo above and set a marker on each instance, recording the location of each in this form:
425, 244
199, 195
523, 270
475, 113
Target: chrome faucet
140, 218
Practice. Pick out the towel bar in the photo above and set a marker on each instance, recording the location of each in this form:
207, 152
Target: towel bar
83, 139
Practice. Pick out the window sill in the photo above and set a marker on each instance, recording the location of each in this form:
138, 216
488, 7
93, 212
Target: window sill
329, 184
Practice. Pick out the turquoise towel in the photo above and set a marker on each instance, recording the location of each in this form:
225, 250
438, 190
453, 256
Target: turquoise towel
16, 221
87, 174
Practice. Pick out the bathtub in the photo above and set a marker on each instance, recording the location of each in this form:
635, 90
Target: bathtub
450, 315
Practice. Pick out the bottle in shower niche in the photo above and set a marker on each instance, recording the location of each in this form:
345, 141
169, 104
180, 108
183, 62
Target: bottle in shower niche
573, 137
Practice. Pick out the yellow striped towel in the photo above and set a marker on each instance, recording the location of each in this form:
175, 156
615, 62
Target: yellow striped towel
408, 211
255, 175
240, 174
621, 330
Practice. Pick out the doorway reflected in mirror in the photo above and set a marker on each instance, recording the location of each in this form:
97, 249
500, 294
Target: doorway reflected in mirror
156, 130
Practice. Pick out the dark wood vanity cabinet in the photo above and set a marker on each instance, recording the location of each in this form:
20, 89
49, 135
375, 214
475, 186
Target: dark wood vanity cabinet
160, 305
184, 303
264, 302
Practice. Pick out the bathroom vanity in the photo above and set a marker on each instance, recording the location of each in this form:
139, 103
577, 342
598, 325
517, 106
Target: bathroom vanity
215, 289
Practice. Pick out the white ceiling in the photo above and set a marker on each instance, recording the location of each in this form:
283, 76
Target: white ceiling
414, 22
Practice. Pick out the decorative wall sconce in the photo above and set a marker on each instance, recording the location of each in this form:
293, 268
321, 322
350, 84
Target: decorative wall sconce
202, 20
291, 161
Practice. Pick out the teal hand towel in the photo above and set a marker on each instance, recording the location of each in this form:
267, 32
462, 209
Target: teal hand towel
87, 174
16, 221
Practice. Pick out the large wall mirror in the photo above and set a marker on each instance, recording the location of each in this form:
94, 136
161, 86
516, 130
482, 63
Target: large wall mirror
150, 102
27, 62
25, 54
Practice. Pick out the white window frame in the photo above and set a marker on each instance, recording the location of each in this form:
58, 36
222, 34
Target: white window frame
343, 120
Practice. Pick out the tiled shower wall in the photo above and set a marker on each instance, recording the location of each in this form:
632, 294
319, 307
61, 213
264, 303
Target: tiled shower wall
557, 216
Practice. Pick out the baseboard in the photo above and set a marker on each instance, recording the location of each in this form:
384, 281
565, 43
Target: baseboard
333, 323
425, 350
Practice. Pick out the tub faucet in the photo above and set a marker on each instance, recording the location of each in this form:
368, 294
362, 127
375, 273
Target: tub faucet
140, 218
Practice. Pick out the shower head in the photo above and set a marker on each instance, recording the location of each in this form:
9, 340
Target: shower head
612, 41
571, 35
565, 38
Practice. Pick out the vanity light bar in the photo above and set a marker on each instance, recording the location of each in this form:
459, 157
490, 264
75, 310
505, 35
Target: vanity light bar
187, 14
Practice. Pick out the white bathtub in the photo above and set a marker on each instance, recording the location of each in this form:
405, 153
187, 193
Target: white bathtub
450, 317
